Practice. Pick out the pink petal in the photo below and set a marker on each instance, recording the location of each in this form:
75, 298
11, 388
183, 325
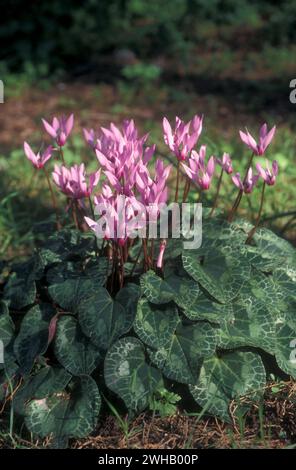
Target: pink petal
30, 154
263, 131
261, 171
49, 129
46, 155
103, 160
269, 137
248, 140
188, 171
191, 141
197, 124
168, 136
275, 167
94, 179
112, 179
91, 223
202, 153
211, 167
69, 124
148, 153
237, 181
55, 123
116, 132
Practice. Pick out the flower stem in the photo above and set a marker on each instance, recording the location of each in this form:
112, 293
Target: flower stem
136, 261
74, 213
240, 192
217, 193
62, 155
103, 247
152, 250
186, 189
114, 261
91, 208
53, 199
93, 216
177, 183
146, 258
252, 232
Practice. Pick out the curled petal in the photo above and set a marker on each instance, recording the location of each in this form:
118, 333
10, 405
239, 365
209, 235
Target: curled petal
237, 181
211, 166
69, 124
50, 129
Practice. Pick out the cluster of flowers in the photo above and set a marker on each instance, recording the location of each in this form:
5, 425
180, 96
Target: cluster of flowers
181, 143
123, 157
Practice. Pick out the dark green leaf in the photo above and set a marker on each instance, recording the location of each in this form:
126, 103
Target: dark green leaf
229, 377
128, 375
103, 319
32, 339
72, 413
73, 349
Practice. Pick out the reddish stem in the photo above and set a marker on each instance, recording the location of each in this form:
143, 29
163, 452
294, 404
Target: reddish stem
177, 183
240, 193
252, 232
217, 193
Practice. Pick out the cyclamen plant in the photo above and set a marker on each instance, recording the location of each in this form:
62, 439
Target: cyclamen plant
124, 313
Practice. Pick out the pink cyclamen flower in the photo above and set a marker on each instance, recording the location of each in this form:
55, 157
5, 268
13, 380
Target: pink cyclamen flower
120, 217
72, 182
269, 174
162, 248
225, 163
184, 137
38, 159
265, 138
198, 170
121, 151
248, 184
59, 129
153, 191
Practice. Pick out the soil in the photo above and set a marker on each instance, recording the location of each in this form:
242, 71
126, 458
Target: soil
271, 424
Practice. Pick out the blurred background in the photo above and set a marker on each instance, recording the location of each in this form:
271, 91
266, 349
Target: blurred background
108, 60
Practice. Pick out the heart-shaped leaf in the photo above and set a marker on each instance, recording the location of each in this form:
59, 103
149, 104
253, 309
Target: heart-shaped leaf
175, 348
273, 247
73, 349
285, 277
156, 325
285, 350
32, 340
72, 413
155, 289
128, 375
20, 290
182, 357
221, 272
253, 324
186, 291
47, 381
181, 290
103, 319
205, 309
95, 270
70, 292
228, 377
